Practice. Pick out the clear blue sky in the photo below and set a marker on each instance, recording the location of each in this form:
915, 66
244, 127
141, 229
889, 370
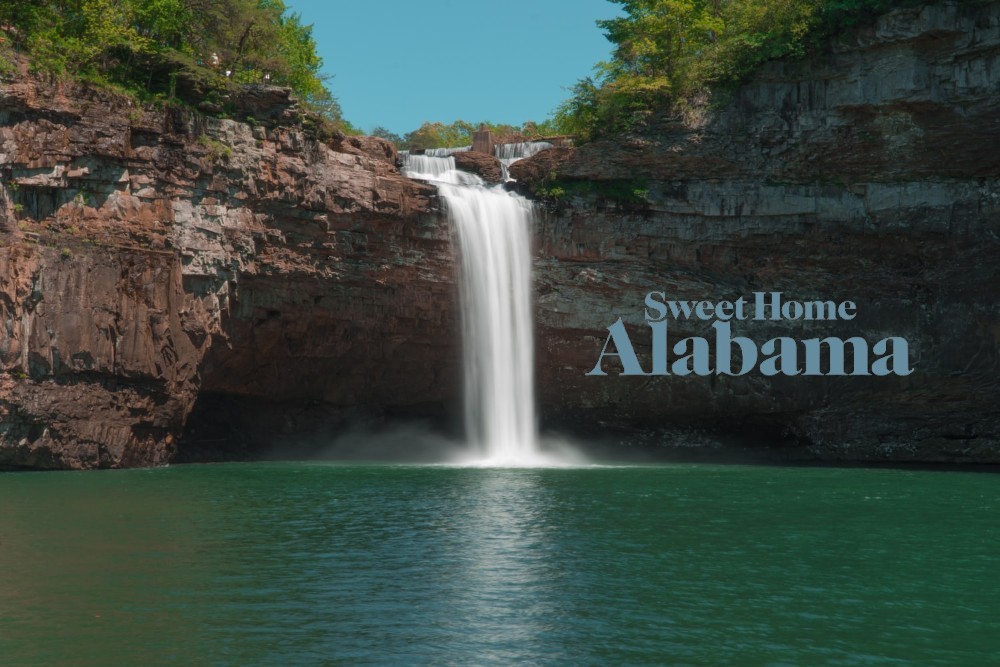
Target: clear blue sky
397, 63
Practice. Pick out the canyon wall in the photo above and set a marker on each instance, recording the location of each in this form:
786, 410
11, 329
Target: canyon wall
153, 259
173, 286
871, 175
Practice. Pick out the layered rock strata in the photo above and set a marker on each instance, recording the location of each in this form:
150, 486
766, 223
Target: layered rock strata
871, 174
149, 257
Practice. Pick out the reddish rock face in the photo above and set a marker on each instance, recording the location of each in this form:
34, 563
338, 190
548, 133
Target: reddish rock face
483, 165
147, 257
542, 166
101, 356
374, 147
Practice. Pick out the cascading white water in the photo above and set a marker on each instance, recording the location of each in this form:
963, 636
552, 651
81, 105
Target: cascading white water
508, 154
445, 152
493, 230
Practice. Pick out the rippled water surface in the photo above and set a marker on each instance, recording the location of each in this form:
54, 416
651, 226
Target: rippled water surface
315, 564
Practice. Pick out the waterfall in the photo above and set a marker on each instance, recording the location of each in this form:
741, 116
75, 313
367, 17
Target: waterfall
508, 154
493, 229
445, 152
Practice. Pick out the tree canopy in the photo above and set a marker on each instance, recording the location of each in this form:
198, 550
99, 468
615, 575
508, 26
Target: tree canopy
187, 49
459, 133
667, 52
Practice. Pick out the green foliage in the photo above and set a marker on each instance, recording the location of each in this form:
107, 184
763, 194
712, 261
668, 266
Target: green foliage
547, 128
6, 65
349, 128
670, 51
439, 135
459, 133
630, 192
66, 253
388, 135
599, 108
170, 49
550, 191
218, 151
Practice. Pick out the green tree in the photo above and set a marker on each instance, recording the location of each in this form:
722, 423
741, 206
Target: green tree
667, 52
388, 135
439, 135
166, 47
459, 133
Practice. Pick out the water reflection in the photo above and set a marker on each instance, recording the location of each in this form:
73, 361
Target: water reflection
502, 588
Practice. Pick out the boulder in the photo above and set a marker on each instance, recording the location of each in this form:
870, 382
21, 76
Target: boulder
483, 165
374, 147
264, 103
540, 167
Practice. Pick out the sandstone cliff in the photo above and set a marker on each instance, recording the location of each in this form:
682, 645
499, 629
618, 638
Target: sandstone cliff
148, 258
872, 174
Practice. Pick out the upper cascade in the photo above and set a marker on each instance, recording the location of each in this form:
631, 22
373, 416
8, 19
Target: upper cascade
508, 154
445, 152
434, 164
438, 169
